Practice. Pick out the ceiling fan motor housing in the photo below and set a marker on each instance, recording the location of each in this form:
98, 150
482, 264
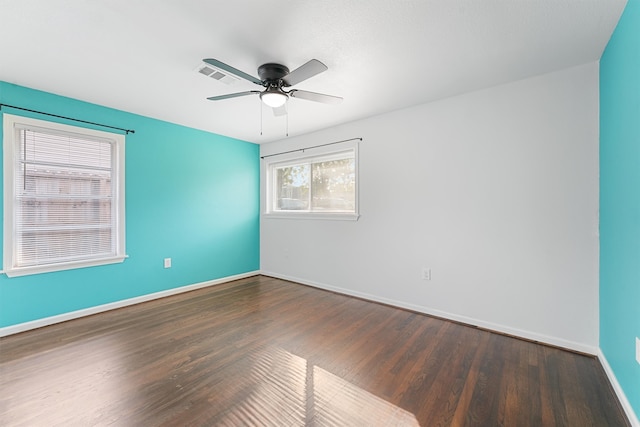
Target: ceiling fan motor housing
272, 72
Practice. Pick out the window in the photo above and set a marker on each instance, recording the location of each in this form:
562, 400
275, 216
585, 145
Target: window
63, 196
323, 185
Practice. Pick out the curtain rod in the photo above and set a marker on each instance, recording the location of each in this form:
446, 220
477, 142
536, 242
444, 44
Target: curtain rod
126, 131
308, 148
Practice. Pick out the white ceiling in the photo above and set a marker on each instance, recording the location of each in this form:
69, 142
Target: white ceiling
140, 55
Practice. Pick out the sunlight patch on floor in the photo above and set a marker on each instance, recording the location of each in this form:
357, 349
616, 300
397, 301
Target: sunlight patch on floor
285, 389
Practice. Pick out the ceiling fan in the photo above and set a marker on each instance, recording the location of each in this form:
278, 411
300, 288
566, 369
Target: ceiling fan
274, 78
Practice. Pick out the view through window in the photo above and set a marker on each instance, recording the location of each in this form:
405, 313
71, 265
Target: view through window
325, 183
66, 204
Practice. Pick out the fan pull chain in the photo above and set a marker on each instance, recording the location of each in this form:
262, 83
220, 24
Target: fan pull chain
260, 102
287, 129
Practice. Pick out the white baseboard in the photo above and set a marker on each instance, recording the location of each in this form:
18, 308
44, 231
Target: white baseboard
528, 335
39, 323
631, 415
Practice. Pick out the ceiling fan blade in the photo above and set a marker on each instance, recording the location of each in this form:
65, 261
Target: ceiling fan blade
232, 95
316, 97
280, 111
304, 72
234, 71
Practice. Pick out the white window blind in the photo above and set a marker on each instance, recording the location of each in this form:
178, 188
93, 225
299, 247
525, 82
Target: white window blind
65, 199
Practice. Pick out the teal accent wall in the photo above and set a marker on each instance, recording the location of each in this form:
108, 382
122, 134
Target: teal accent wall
620, 201
191, 195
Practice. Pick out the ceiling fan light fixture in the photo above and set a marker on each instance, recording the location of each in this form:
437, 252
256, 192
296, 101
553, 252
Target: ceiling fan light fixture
273, 97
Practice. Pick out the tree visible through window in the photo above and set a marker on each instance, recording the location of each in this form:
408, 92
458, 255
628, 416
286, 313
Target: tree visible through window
293, 187
333, 184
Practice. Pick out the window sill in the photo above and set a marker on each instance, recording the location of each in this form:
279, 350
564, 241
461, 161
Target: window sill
312, 215
38, 269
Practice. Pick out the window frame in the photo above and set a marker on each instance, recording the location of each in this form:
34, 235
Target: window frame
304, 156
12, 124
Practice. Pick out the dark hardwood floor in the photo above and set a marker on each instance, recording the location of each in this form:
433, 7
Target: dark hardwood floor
262, 351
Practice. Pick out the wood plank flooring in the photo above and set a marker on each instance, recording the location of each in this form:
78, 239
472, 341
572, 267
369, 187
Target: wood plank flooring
263, 351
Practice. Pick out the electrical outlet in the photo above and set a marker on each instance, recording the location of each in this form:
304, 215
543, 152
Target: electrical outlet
638, 350
426, 273
167, 263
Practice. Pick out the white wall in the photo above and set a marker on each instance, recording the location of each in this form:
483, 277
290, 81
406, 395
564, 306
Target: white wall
496, 191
